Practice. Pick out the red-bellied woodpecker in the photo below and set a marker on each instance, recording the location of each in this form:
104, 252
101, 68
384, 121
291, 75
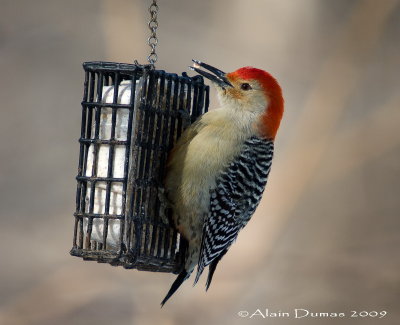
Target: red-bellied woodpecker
218, 169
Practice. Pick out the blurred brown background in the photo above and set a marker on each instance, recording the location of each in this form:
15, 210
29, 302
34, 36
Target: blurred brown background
325, 237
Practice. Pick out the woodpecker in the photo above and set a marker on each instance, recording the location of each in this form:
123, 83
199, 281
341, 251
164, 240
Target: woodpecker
218, 169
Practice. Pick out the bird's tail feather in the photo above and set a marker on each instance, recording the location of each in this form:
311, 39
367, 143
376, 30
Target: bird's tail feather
200, 269
177, 283
211, 271
212, 268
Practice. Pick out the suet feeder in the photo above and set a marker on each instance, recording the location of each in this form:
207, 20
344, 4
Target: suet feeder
131, 117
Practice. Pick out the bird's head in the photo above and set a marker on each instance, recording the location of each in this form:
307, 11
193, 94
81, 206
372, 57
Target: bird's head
249, 90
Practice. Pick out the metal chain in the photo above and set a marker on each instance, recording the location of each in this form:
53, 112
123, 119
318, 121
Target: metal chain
153, 25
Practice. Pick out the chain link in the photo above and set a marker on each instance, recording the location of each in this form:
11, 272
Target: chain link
153, 25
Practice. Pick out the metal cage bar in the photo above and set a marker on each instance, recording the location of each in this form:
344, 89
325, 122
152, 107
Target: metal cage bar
131, 117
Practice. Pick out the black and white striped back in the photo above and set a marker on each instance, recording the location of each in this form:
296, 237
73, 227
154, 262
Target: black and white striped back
238, 191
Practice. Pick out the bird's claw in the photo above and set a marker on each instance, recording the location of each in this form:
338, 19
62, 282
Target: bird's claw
164, 205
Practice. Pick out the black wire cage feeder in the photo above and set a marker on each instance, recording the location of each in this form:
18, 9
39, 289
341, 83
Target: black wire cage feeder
131, 117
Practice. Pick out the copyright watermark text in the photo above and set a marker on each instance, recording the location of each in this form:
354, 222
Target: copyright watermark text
306, 313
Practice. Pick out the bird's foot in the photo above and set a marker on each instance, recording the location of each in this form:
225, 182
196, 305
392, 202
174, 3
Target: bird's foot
164, 205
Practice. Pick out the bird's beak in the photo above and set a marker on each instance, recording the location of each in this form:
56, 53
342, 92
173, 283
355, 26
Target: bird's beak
218, 76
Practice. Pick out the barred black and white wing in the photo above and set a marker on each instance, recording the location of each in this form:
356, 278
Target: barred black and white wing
238, 192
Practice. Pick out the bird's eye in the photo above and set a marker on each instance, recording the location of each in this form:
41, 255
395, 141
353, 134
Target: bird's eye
245, 86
